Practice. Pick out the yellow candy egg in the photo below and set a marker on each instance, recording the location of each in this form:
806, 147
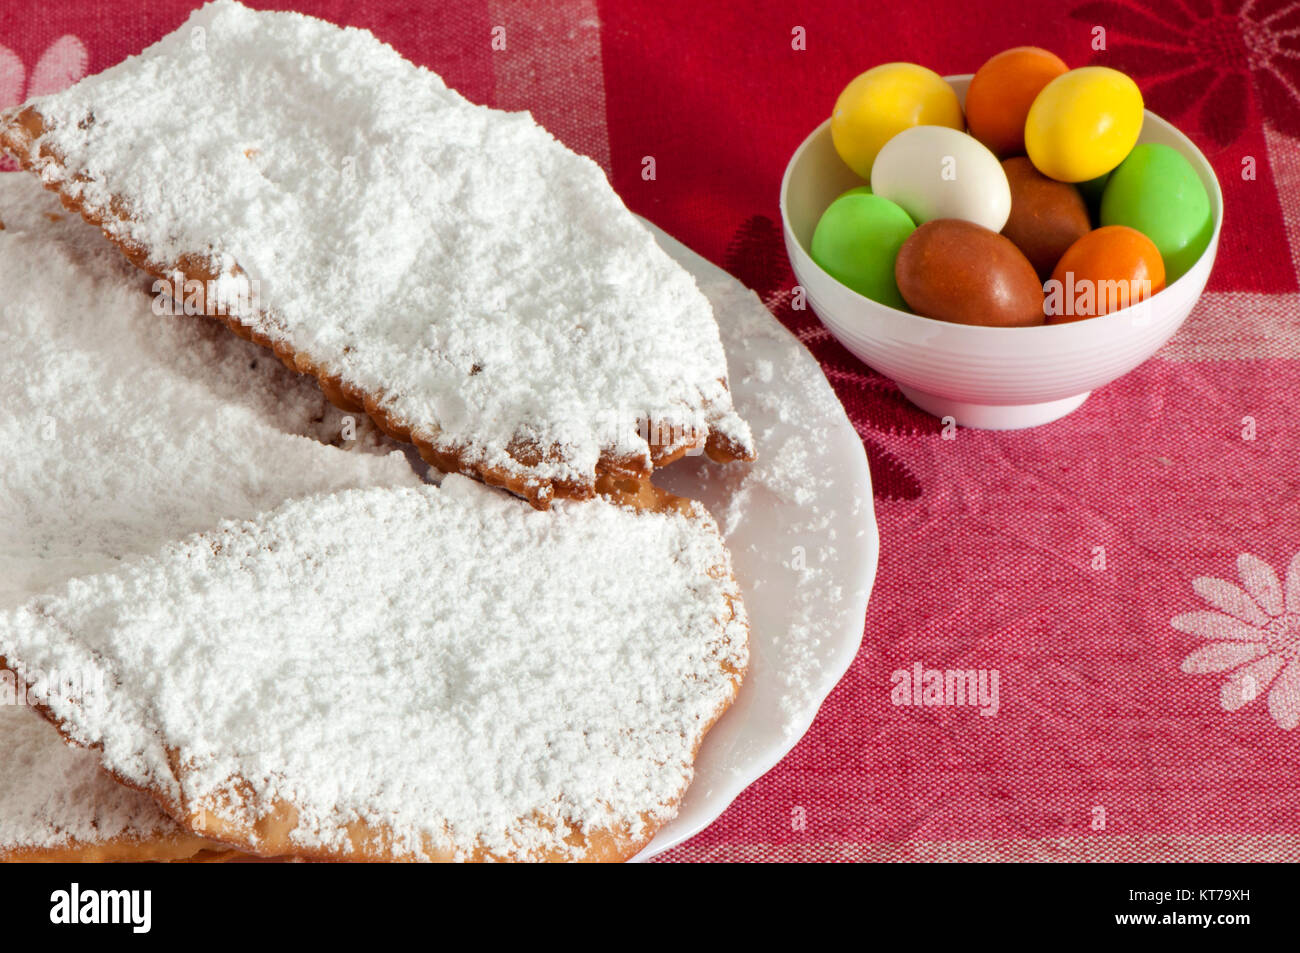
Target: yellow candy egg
884, 101
1083, 123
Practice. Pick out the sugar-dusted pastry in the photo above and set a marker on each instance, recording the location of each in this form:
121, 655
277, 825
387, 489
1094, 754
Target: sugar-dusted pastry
58, 805
412, 674
473, 284
124, 430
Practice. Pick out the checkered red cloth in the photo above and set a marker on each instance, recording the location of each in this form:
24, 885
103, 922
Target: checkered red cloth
1128, 571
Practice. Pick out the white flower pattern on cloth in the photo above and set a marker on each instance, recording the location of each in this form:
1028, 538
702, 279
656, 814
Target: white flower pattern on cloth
62, 64
1255, 637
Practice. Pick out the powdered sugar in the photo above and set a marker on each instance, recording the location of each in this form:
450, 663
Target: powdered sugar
124, 430
445, 663
791, 528
52, 795
456, 261
801, 419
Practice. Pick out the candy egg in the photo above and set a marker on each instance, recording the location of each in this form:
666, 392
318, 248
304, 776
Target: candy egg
1107, 269
1091, 191
961, 272
884, 101
937, 172
1001, 92
1083, 123
1047, 216
857, 240
1156, 191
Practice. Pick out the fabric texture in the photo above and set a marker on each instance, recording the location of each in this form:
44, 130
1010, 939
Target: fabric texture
1129, 572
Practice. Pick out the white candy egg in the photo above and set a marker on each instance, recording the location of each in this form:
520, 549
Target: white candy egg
937, 172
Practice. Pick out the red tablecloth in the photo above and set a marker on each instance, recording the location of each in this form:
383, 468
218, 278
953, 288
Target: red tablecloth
1128, 571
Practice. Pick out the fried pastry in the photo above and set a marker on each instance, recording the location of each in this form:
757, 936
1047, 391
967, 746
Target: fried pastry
475, 286
408, 674
125, 430
57, 804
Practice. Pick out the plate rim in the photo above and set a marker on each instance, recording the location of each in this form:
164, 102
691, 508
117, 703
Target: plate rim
724, 795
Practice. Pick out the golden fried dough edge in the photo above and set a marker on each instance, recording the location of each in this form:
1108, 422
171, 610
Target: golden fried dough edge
22, 127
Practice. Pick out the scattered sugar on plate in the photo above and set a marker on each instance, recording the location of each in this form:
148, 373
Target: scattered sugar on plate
786, 498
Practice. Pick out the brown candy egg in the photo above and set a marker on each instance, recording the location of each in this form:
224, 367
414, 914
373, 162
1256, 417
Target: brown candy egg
961, 272
1047, 216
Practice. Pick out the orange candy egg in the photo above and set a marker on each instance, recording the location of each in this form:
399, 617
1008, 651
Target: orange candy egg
1107, 269
1001, 93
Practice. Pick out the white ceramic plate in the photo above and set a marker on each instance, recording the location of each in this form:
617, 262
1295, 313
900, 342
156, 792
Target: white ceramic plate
802, 532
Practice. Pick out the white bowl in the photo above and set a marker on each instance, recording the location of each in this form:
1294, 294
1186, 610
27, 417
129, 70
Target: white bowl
990, 378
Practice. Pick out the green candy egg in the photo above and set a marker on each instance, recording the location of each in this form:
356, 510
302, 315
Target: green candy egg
1156, 191
857, 240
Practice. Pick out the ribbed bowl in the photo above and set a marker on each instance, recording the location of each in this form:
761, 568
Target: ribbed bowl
992, 378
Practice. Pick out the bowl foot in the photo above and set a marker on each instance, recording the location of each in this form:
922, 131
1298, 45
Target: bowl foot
994, 416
